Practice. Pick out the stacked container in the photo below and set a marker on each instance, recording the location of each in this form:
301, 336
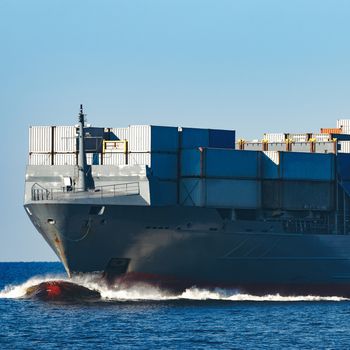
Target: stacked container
65, 145
220, 178
293, 146
145, 145
297, 181
299, 137
193, 137
118, 156
275, 137
344, 125
200, 167
321, 137
331, 131
343, 171
40, 145
344, 147
57, 145
159, 148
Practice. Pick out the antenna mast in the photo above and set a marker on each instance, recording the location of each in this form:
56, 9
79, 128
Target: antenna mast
81, 155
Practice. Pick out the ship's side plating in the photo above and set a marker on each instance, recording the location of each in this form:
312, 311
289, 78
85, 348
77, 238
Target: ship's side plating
179, 246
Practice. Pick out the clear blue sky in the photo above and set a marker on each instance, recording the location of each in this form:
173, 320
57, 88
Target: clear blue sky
254, 66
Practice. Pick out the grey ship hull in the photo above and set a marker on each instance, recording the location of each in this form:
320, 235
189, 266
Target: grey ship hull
179, 247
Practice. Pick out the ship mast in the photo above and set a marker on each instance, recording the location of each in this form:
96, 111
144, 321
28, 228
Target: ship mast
81, 154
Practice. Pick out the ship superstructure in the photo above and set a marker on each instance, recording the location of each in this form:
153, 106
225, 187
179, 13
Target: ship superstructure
185, 206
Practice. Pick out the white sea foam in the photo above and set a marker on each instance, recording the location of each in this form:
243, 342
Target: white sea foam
143, 292
19, 291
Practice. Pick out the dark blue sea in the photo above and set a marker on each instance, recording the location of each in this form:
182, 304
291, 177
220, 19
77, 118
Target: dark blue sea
142, 317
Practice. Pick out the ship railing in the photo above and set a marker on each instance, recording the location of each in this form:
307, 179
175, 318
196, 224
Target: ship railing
40, 193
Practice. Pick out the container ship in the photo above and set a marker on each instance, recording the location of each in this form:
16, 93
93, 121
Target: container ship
181, 207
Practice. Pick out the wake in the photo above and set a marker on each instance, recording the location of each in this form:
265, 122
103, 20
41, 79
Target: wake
143, 292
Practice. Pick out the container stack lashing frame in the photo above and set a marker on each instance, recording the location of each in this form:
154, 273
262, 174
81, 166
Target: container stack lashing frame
265, 145
241, 143
312, 145
289, 145
335, 146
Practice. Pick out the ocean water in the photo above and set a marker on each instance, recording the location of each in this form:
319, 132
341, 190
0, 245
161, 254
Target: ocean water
142, 317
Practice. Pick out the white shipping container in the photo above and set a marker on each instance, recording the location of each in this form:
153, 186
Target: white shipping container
344, 146
344, 124
151, 138
39, 159
299, 137
40, 139
139, 159
140, 138
65, 139
65, 159
114, 159
120, 133
275, 137
321, 137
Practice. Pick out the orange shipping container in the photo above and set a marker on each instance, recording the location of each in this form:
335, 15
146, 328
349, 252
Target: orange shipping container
331, 131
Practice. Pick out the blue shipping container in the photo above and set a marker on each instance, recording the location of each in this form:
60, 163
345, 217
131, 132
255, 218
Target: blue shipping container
343, 166
211, 162
346, 186
191, 192
220, 193
150, 138
224, 193
307, 166
301, 195
340, 137
191, 162
231, 163
222, 138
164, 139
298, 195
194, 137
269, 165
164, 165
163, 193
